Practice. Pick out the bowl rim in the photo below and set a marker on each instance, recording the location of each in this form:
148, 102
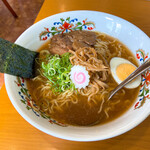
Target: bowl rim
50, 132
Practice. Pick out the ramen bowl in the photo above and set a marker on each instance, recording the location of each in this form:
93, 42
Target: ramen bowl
35, 36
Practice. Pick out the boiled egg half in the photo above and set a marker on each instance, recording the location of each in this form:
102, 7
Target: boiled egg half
121, 69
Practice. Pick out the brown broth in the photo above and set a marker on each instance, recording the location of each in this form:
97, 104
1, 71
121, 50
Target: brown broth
83, 114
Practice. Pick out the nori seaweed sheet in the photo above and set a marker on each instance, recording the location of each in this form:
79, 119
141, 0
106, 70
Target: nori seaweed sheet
16, 60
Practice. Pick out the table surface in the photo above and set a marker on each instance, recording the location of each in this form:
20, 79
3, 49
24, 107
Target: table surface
18, 134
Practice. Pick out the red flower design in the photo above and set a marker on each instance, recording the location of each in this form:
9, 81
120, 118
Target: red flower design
145, 57
90, 28
51, 121
28, 103
136, 105
137, 55
44, 38
22, 80
66, 25
147, 78
47, 29
147, 96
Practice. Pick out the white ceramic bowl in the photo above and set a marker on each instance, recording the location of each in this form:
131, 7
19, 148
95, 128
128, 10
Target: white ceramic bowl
126, 32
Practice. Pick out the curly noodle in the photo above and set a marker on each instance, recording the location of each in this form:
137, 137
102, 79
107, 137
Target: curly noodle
95, 60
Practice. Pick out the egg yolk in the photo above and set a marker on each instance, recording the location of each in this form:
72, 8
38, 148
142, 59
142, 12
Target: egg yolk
124, 70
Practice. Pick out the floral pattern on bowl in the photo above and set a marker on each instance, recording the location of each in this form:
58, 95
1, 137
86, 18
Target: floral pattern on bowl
30, 105
69, 25
144, 91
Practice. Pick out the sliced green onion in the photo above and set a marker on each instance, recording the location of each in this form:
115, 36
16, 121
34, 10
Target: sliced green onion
51, 71
56, 69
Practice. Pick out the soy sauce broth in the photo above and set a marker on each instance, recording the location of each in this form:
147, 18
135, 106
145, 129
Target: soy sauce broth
83, 114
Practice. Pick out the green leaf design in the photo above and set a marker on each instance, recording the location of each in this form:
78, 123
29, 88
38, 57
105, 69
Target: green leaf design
62, 19
79, 23
53, 33
22, 90
43, 116
142, 53
28, 107
146, 92
80, 28
68, 19
142, 102
53, 28
26, 91
23, 101
142, 94
44, 33
19, 80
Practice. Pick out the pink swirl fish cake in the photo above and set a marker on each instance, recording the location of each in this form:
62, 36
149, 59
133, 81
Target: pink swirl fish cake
79, 76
